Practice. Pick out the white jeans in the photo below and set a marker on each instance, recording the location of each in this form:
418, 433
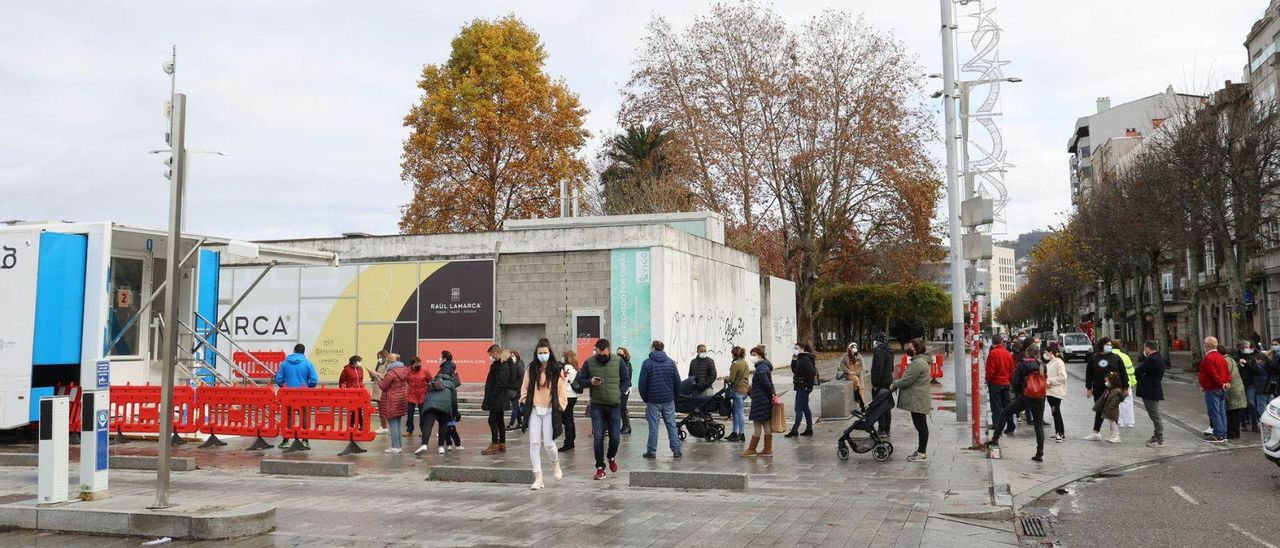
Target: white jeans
541, 433
1126, 411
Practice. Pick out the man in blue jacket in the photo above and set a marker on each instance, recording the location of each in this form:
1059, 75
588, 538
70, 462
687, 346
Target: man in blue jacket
296, 371
659, 384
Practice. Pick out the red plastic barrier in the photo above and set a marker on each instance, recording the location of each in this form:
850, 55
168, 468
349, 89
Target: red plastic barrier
136, 409
270, 358
326, 414
936, 371
72, 392
238, 411
902, 366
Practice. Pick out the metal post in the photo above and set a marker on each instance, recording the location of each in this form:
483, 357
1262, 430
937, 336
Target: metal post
953, 199
176, 196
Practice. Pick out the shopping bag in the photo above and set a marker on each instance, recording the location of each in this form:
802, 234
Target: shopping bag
778, 420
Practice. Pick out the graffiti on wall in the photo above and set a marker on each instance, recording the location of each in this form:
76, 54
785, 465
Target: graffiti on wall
719, 329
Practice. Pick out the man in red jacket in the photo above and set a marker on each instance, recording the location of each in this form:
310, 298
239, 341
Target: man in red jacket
998, 375
1215, 380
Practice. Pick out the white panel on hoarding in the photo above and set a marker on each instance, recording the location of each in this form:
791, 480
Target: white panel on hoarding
270, 312
707, 302
782, 317
19, 264
329, 281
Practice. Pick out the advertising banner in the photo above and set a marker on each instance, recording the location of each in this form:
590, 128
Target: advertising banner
411, 309
629, 301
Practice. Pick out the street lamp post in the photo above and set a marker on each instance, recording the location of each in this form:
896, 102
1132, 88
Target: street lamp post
953, 203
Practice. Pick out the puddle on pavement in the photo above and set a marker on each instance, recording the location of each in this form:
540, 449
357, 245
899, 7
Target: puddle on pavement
943, 396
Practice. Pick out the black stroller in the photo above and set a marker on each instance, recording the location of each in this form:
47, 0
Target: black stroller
865, 421
699, 419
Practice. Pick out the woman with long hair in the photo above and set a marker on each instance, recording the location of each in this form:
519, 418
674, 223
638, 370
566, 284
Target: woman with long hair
570, 365
543, 400
1056, 370
913, 396
739, 387
762, 394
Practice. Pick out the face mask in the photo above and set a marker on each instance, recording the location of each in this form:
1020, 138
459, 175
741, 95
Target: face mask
1106, 348
381, 361
795, 351
753, 359
702, 355
544, 357
1247, 351
1275, 348
1046, 356
357, 364
1108, 384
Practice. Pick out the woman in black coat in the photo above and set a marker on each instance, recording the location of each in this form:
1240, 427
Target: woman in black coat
498, 387
804, 376
762, 394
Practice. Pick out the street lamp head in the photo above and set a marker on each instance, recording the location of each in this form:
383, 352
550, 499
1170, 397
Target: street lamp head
935, 75
1013, 80
936, 95
168, 67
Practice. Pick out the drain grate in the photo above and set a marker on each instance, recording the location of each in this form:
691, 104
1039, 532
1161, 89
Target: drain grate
1033, 527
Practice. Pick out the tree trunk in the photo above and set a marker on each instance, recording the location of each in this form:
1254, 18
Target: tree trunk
1235, 289
1157, 304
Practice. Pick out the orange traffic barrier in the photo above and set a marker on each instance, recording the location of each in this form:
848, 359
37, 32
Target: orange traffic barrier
270, 358
902, 367
326, 414
238, 411
136, 410
936, 371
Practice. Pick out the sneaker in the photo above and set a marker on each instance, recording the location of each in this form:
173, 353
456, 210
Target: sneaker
1155, 444
537, 483
440, 451
918, 457
1093, 437
392, 451
599, 473
1216, 440
460, 448
613, 465
1114, 439
1058, 438
626, 431
380, 431
420, 449
556, 472
675, 455
650, 455
1038, 458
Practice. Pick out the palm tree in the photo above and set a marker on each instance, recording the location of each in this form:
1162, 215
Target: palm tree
639, 172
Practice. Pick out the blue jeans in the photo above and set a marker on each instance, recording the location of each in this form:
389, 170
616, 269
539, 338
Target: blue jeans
393, 426
1001, 396
739, 421
1258, 401
666, 412
1215, 401
802, 409
605, 417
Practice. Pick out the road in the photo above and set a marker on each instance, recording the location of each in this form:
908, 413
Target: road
1226, 498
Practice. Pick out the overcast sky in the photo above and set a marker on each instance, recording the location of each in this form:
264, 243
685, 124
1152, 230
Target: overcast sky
307, 98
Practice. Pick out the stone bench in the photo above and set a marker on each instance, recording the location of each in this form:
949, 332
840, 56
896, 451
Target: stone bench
143, 462
307, 468
688, 480
19, 459
482, 474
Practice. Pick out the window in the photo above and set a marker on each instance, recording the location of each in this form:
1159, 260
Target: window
1087, 172
126, 284
1210, 266
1166, 284
1084, 151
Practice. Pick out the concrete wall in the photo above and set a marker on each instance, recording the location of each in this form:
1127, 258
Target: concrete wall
698, 300
545, 288
778, 321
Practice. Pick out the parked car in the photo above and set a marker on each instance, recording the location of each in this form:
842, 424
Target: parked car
1271, 432
1075, 345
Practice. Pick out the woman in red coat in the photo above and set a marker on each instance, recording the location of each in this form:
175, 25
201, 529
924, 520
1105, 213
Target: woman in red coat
352, 376
419, 378
395, 392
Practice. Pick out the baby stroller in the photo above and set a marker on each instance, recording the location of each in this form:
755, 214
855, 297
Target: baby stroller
865, 421
699, 419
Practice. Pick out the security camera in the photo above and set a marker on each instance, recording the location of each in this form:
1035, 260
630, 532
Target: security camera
168, 67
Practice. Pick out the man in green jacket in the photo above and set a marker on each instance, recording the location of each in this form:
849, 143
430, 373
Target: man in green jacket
603, 374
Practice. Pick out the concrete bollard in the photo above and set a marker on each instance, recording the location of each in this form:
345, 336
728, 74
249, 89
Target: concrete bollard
837, 399
143, 462
688, 480
307, 468
482, 474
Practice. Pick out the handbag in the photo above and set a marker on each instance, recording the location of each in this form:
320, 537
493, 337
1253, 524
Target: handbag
1034, 385
778, 418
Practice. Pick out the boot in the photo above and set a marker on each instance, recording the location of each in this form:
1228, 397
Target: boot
502, 448
791, 434
768, 446
537, 481
490, 450
751, 449
557, 473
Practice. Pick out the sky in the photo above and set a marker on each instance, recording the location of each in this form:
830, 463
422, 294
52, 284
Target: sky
307, 99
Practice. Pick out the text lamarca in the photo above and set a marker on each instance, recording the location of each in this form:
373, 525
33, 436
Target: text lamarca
456, 306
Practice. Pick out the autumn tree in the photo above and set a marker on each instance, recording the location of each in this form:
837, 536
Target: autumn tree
818, 129
493, 135
646, 171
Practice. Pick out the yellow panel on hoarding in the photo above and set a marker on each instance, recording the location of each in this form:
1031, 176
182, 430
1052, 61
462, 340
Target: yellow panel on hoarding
337, 339
384, 290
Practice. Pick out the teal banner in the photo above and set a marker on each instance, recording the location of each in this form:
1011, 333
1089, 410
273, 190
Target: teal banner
629, 304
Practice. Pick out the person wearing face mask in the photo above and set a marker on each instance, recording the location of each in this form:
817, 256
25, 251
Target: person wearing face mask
881, 376
913, 396
1031, 396
625, 355
762, 395
999, 375
804, 376
739, 386
659, 383
570, 365
1272, 389
379, 370
702, 369
352, 376
1126, 406
602, 374
498, 387
543, 400
1150, 374
1237, 402
1103, 363
1056, 371
1253, 371
1215, 379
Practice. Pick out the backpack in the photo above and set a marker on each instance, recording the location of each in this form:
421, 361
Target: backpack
1035, 385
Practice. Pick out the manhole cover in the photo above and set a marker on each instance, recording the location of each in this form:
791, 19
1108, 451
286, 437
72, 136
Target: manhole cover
1033, 527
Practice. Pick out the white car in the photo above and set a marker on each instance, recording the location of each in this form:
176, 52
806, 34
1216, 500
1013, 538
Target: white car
1271, 431
1075, 345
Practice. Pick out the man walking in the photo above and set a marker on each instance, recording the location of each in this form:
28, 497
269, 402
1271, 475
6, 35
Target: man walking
702, 369
1215, 380
881, 375
999, 375
296, 371
1150, 376
1103, 362
659, 384
603, 375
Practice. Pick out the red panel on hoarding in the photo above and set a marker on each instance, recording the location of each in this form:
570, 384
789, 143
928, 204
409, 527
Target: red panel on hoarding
471, 357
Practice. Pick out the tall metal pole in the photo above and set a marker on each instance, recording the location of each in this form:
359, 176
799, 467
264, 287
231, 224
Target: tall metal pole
953, 203
177, 188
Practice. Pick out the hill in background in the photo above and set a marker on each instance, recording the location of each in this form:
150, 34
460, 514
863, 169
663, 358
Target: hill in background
1025, 242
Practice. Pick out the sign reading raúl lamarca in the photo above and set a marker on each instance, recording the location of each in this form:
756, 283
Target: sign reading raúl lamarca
456, 302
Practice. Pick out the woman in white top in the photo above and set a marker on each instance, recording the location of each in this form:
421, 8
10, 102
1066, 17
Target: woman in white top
570, 365
1056, 390
542, 400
